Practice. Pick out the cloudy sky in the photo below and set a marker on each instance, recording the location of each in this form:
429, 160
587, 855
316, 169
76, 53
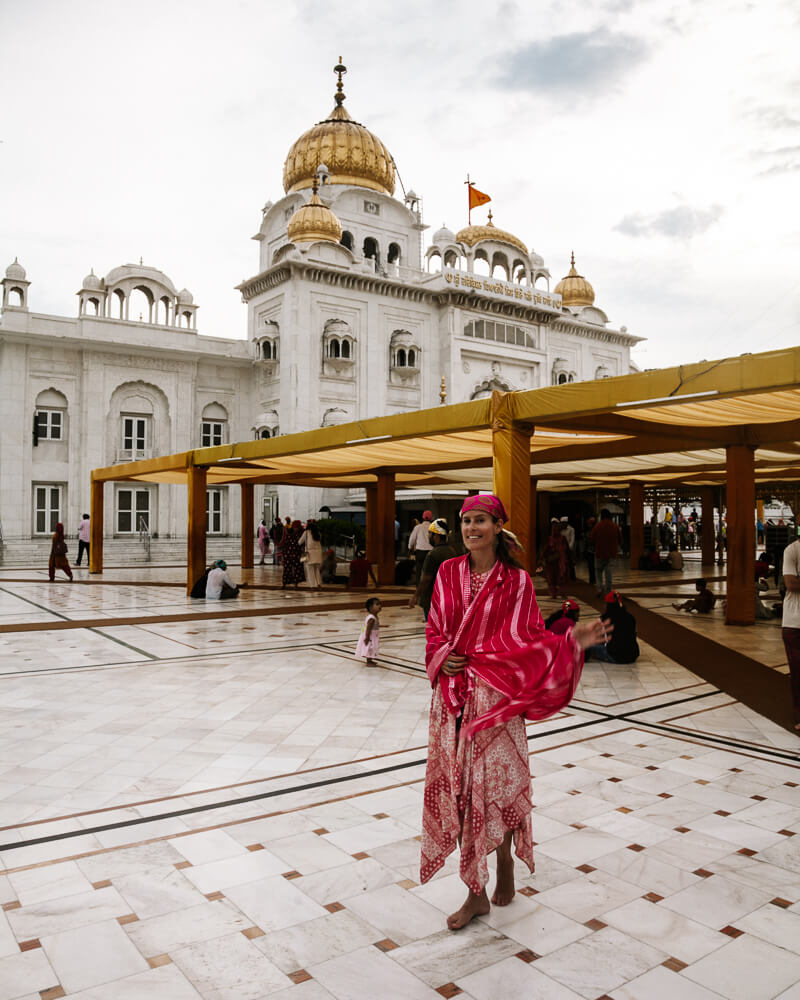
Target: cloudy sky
660, 141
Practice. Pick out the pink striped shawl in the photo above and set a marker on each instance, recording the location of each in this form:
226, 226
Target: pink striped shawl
502, 634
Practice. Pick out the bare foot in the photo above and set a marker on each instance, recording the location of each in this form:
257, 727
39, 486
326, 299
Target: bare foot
504, 886
474, 906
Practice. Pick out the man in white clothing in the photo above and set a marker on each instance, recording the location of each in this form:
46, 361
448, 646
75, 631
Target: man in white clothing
219, 586
419, 542
791, 621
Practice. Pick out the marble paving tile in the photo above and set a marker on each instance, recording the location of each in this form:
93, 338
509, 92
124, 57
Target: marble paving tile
25, 971
274, 903
234, 871
318, 940
8, 943
156, 891
308, 853
346, 975
170, 931
369, 835
55, 915
92, 955
443, 957
400, 915
309, 990
746, 969
229, 968
600, 962
716, 901
164, 983
679, 936
662, 984
37, 885
536, 926
581, 846
518, 981
210, 845
347, 881
589, 896
128, 861
649, 873
775, 925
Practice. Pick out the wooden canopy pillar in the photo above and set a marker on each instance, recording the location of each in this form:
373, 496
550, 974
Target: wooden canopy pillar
196, 521
636, 508
533, 544
511, 468
741, 534
372, 523
385, 515
96, 527
707, 540
542, 522
247, 525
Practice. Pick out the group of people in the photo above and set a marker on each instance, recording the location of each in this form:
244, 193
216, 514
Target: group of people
557, 557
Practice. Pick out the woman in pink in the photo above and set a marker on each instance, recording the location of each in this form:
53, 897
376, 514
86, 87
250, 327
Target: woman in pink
491, 663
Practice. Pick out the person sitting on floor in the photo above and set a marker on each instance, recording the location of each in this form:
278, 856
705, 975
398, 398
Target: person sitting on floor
675, 558
360, 571
622, 646
199, 588
219, 586
329, 566
561, 621
703, 602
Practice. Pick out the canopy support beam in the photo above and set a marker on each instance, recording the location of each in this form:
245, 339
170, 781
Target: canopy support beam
707, 526
741, 535
511, 468
196, 521
247, 525
96, 527
385, 516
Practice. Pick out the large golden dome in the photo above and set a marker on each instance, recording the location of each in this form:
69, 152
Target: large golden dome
314, 222
352, 154
475, 234
574, 289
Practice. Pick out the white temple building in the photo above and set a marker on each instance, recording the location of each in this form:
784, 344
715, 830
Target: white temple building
350, 315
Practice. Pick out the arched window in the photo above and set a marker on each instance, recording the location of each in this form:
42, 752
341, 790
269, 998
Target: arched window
434, 262
334, 349
412, 358
51, 416
15, 297
481, 265
264, 432
401, 358
120, 296
347, 240
562, 378
266, 350
393, 256
345, 348
214, 426
140, 305
371, 249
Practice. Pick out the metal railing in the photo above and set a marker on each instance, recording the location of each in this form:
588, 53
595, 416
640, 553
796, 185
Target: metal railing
144, 535
345, 547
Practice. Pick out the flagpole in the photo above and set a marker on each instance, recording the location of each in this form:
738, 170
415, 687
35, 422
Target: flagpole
469, 201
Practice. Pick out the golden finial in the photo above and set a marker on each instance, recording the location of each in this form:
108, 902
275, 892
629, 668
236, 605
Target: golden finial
443, 391
572, 258
315, 183
340, 95
490, 218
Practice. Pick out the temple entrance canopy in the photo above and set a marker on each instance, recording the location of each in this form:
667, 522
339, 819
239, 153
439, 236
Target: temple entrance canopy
732, 422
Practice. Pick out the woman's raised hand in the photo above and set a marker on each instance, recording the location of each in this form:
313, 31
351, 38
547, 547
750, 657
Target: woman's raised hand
593, 633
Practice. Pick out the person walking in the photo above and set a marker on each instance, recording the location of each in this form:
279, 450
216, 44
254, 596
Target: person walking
438, 554
83, 539
311, 545
263, 540
276, 537
491, 663
554, 561
58, 554
790, 622
606, 537
419, 543
292, 567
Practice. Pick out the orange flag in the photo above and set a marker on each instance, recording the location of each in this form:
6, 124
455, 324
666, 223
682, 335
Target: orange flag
477, 197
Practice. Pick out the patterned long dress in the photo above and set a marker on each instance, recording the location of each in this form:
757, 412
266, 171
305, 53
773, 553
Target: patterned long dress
477, 782
292, 567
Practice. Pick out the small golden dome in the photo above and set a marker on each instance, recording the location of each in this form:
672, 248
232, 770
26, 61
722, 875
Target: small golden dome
314, 222
574, 289
352, 154
475, 234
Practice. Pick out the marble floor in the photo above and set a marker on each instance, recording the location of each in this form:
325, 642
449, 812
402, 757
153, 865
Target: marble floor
228, 807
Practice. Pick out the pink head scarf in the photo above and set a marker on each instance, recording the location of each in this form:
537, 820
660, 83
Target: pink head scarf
489, 504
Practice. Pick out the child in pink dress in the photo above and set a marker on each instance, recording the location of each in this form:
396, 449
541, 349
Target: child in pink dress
369, 640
